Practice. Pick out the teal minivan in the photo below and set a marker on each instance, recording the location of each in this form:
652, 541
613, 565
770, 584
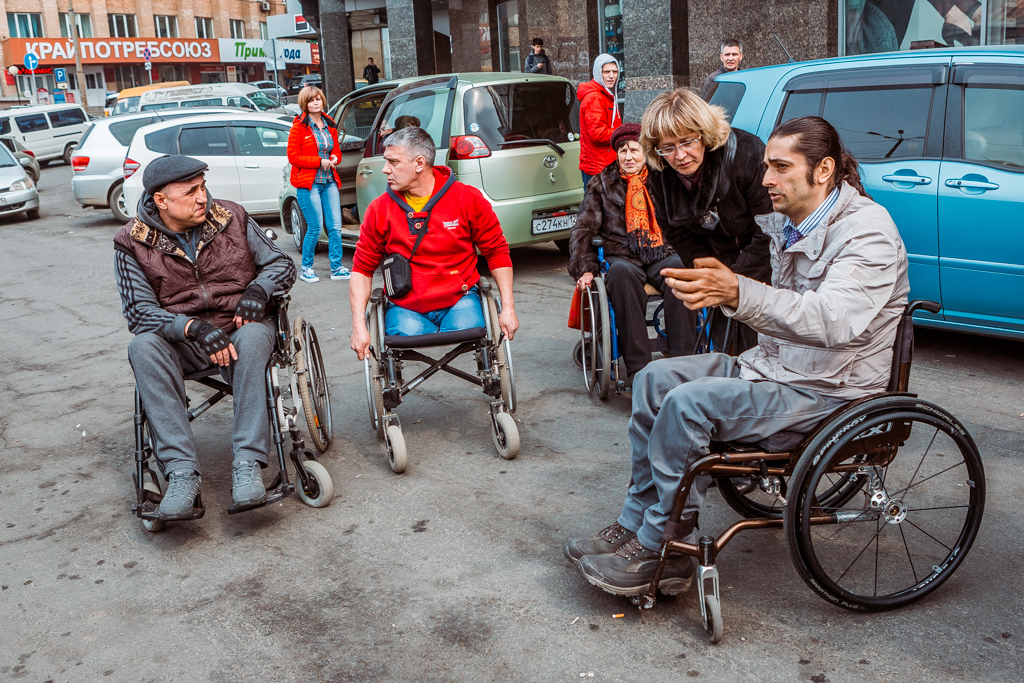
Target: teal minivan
939, 135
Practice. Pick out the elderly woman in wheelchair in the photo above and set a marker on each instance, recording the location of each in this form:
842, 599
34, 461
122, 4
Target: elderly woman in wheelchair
424, 234
880, 493
616, 254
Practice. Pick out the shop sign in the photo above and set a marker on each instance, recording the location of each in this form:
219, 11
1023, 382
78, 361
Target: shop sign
111, 50
235, 51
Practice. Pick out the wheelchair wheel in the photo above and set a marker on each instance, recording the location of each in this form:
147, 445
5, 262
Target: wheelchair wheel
395, 444
744, 495
577, 354
313, 389
506, 436
713, 625
321, 487
923, 497
506, 374
371, 371
596, 338
153, 525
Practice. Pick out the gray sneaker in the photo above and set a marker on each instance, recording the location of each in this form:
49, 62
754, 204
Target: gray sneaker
608, 541
180, 498
247, 483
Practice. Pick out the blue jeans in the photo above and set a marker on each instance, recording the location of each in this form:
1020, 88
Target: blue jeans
312, 203
586, 179
466, 313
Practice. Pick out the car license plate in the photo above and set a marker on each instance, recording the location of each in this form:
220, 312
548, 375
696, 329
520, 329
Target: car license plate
553, 223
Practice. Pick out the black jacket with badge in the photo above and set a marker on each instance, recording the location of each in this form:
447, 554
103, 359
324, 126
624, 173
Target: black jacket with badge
730, 185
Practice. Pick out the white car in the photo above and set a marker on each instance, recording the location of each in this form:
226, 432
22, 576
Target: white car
245, 153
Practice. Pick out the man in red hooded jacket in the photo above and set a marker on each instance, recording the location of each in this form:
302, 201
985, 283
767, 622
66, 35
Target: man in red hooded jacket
444, 295
599, 116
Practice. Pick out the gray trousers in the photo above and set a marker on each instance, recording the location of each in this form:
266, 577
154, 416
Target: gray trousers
679, 406
160, 367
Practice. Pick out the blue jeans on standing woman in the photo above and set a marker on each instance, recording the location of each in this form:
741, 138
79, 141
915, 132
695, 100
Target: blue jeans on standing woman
313, 202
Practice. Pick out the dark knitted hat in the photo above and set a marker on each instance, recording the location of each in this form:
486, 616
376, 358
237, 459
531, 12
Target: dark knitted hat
624, 133
170, 168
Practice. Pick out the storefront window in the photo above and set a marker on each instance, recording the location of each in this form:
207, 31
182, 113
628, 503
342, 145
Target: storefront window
893, 25
508, 36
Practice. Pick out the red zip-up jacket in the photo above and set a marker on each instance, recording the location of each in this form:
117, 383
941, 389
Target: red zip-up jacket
302, 152
444, 267
599, 117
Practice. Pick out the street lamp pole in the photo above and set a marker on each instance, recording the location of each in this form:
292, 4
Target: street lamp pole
79, 71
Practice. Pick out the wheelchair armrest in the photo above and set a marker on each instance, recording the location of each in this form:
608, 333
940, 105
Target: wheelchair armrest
280, 295
377, 296
484, 284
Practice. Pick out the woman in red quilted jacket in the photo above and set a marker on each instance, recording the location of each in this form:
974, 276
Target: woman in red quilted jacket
313, 153
599, 116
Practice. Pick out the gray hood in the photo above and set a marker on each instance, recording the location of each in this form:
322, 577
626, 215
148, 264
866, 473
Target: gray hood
602, 59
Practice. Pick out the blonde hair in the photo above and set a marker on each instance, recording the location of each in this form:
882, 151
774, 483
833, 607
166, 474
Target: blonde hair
308, 93
678, 113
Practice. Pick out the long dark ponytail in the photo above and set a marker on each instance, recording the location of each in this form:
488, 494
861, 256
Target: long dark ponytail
814, 140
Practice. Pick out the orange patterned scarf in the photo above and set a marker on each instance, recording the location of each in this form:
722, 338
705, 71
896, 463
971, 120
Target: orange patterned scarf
642, 231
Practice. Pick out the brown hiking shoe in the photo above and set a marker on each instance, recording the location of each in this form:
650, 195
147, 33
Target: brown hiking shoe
630, 570
608, 541
347, 218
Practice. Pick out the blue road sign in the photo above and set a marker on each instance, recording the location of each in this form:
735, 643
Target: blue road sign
60, 75
31, 61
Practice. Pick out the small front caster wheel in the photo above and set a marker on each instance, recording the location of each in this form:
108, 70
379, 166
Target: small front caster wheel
320, 490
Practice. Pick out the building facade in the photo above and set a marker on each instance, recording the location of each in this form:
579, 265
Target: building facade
200, 41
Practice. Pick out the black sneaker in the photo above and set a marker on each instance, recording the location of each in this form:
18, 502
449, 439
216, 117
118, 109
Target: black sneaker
629, 571
180, 497
608, 541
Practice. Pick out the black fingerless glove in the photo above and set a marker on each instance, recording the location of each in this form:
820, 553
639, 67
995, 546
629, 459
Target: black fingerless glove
210, 337
253, 304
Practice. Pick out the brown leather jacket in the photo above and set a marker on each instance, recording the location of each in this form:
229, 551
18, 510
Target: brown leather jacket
209, 288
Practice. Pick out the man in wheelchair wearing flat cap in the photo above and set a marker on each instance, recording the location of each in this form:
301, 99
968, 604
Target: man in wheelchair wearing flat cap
435, 224
826, 326
193, 273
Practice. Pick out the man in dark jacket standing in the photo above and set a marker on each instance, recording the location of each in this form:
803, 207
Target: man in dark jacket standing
371, 72
538, 62
731, 56
193, 274
706, 188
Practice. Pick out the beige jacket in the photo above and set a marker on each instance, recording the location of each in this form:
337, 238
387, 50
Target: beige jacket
828, 322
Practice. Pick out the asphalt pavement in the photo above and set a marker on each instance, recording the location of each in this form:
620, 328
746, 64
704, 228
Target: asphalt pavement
450, 572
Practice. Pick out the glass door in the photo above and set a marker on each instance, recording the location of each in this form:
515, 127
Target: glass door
508, 36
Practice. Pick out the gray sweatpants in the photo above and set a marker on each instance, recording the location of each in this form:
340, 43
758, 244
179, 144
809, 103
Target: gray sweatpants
680, 405
160, 367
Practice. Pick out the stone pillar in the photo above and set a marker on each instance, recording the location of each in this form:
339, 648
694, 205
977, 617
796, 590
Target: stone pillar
411, 31
335, 50
656, 46
470, 38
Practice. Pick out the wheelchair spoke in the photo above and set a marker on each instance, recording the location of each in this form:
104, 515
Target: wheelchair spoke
940, 507
921, 462
866, 546
903, 537
935, 475
928, 535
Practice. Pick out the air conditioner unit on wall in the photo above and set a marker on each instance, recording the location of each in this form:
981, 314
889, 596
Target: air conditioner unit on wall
265, 5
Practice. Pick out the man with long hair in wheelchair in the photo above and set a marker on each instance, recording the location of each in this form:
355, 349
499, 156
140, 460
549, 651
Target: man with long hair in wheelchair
193, 273
826, 323
430, 225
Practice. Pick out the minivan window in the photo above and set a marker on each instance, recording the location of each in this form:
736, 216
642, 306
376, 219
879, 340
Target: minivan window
6, 158
800, 104
994, 125
5, 126
31, 123
502, 114
126, 106
423, 108
67, 117
85, 136
261, 141
208, 102
164, 141
727, 96
205, 142
885, 123
261, 100
359, 116
161, 105
124, 131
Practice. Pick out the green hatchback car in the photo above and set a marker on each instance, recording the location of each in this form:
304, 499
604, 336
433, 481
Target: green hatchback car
515, 137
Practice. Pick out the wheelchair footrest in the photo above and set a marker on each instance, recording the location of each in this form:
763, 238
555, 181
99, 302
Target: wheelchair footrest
153, 514
273, 496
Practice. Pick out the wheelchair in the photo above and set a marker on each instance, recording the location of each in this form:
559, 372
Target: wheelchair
385, 386
879, 505
297, 350
597, 351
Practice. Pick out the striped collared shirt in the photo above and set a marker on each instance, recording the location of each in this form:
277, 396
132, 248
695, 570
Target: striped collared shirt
794, 233
324, 145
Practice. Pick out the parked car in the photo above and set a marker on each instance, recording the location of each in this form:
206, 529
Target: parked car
245, 153
242, 95
24, 156
51, 131
109, 102
17, 190
939, 135
98, 162
128, 99
297, 83
272, 88
515, 137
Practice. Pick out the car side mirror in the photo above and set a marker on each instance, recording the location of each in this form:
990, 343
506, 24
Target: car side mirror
25, 161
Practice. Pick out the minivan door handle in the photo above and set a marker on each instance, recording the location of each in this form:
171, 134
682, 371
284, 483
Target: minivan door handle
915, 179
365, 172
252, 166
965, 184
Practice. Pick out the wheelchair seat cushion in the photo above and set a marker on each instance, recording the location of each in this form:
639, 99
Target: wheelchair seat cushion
419, 341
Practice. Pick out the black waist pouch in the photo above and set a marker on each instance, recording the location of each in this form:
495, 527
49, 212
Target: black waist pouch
397, 274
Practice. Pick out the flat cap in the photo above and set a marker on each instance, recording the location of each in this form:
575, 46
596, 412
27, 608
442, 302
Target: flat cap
170, 168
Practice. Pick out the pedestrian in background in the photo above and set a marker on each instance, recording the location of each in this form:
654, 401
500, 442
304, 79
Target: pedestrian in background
371, 72
599, 117
313, 153
538, 62
731, 55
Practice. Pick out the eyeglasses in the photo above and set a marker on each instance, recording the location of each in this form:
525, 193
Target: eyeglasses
687, 145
